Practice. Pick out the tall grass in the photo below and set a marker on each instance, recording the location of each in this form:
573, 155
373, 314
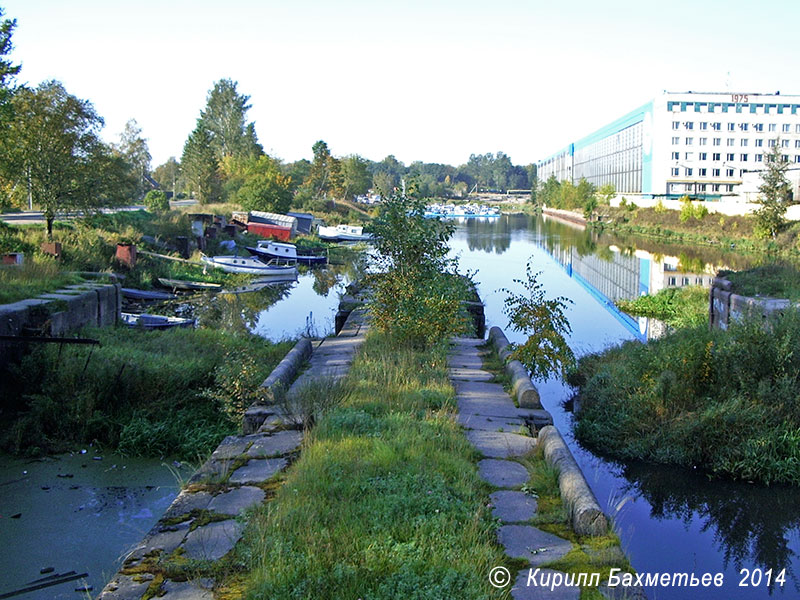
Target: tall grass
678, 307
722, 401
32, 278
384, 501
174, 392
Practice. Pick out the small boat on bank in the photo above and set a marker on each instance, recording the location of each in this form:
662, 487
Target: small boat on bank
189, 286
248, 264
343, 233
146, 321
283, 252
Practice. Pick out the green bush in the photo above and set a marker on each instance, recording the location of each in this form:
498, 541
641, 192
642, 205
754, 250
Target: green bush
156, 202
722, 401
418, 297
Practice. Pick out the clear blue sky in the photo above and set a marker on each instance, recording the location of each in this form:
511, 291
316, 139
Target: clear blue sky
421, 79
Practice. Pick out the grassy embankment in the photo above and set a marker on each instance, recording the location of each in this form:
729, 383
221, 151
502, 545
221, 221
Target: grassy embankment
89, 245
711, 229
724, 402
159, 393
677, 307
384, 501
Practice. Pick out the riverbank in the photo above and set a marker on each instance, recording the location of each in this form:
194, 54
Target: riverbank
176, 392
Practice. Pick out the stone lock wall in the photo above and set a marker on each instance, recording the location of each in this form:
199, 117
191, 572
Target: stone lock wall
725, 307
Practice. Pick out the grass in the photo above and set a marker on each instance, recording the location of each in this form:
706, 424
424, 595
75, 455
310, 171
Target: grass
384, 501
774, 280
34, 277
678, 307
723, 402
158, 393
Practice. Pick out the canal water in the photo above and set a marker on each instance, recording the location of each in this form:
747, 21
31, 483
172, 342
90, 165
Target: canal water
76, 513
669, 520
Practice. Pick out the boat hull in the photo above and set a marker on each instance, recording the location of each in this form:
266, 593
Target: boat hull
248, 265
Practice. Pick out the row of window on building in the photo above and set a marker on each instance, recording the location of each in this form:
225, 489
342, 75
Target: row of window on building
729, 156
758, 142
695, 188
717, 126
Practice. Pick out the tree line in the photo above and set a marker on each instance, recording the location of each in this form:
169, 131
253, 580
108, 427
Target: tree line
52, 157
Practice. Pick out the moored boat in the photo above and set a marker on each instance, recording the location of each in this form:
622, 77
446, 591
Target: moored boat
343, 233
247, 264
279, 251
189, 286
146, 321
134, 294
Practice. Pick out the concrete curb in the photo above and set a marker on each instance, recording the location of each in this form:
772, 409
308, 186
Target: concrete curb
523, 389
584, 511
281, 377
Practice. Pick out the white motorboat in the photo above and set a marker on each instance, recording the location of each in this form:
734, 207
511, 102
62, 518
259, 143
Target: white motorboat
343, 233
249, 265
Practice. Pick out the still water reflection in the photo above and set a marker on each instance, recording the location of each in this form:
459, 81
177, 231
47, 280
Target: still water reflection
670, 520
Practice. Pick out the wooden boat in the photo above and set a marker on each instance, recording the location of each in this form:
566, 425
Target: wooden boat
343, 233
134, 294
279, 251
247, 264
189, 286
146, 321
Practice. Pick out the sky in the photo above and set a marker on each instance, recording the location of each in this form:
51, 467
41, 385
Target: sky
428, 80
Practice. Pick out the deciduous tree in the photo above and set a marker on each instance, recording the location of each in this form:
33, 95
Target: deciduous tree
53, 149
225, 120
8, 70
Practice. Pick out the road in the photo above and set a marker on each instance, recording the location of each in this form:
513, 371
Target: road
30, 217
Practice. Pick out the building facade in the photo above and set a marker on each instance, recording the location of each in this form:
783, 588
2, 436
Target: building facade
706, 145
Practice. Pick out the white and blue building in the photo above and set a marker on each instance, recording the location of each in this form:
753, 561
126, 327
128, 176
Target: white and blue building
709, 146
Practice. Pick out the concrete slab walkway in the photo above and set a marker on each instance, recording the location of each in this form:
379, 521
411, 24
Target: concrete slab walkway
201, 523
496, 428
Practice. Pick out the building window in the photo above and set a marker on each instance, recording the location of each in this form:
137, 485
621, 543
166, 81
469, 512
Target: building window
715, 172
786, 128
743, 142
715, 187
728, 172
731, 141
797, 158
715, 156
701, 187
731, 126
703, 141
771, 143
797, 143
676, 156
729, 157
704, 126
716, 126
672, 281
759, 158
687, 171
743, 157
676, 140
675, 171
685, 281
785, 157
701, 172
784, 143
703, 156
797, 128
675, 124
689, 141
743, 126
759, 143
717, 141
689, 125
772, 127
759, 127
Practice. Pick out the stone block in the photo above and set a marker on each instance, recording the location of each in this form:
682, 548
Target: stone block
500, 445
503, 473
277, 444
237, 500
212, 541
532, 544
258, 470
512, 507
